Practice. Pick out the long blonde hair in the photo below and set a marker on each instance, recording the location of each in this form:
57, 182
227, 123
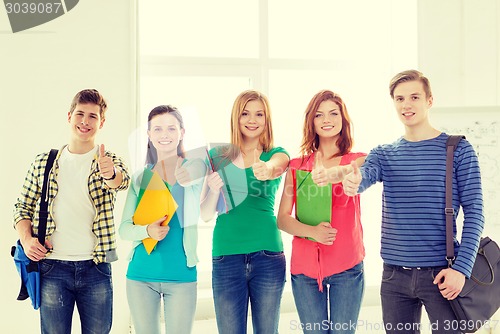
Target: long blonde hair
266, 138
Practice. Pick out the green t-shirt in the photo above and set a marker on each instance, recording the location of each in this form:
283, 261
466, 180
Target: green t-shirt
250, 223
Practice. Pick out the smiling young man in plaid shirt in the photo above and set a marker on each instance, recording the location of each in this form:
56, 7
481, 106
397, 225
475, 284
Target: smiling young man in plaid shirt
80, 243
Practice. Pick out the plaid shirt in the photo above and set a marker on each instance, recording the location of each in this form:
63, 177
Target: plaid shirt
103, 199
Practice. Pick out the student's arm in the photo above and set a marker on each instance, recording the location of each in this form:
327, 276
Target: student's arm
24, 229
116, 182
32, 248
322, 176
361, 178
129, 231
471, 199
322, 233
352, 181
113, 170
190, 172
272, 169
451, 281
24, 210
210, 195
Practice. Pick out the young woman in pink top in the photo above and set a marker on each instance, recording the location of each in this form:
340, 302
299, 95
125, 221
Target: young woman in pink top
327, 259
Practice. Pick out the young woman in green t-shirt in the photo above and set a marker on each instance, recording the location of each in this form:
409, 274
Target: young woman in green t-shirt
247, 254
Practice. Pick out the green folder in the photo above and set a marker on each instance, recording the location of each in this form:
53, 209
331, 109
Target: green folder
313, 203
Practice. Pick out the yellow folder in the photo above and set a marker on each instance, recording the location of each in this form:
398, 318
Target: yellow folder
155, 201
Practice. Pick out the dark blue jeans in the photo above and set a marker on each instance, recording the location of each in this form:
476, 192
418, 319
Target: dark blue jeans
256, 277
66, 283
404, 291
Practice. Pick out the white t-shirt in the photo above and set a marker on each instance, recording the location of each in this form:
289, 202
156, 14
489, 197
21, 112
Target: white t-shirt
73, 209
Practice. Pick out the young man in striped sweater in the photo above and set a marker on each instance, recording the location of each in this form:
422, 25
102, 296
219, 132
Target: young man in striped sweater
413, 170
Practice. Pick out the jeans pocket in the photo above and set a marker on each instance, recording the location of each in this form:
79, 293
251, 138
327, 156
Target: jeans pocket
388, 273
218, 258
272, 254
104, 268
435, 271
357, 269
45, 267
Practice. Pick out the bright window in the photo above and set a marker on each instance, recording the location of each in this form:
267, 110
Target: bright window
200, 55
196, 28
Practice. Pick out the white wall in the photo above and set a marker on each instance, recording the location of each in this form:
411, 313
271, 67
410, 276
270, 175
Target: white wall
41, 69
459, 49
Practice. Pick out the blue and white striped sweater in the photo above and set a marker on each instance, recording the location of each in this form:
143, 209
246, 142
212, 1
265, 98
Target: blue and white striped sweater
413, 201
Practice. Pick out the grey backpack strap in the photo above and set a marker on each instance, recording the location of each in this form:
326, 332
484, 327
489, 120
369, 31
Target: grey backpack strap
451, 145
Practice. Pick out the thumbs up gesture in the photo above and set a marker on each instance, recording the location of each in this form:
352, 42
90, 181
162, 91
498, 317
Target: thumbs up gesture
182, 174
156, 230
352, 180
318, 173
106, 165
261, 169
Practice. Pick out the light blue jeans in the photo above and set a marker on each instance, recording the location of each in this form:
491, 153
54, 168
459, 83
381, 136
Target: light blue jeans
257, 277
179, 306
342, 295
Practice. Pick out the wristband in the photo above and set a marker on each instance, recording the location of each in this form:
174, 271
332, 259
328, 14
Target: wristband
112, 177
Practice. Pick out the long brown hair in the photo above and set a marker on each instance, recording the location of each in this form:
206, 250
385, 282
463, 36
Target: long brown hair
310, 139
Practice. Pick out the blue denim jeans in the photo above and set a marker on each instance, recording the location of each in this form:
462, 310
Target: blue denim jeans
66, 283
404, 291
342, 295
256, 277
179, 306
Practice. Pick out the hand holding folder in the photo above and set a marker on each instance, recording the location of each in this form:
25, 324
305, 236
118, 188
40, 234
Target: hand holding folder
313, 203
155, 202
234, 188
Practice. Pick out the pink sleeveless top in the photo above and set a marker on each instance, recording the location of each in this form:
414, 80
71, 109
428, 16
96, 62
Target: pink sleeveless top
316, 260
